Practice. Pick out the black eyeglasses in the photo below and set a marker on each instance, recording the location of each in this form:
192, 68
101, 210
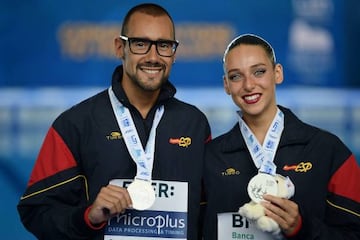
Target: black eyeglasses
165, 48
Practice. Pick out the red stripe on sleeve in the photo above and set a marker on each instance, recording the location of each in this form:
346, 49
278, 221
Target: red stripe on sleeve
208, 139
345, 181
54, 156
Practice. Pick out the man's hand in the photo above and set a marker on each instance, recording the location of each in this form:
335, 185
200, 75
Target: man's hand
110, 201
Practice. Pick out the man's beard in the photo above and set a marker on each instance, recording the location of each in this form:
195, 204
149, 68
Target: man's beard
148, 85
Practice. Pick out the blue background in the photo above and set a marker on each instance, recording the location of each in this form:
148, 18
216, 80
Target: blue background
327, 30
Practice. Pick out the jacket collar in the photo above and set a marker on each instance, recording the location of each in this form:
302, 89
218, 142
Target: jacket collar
295, 132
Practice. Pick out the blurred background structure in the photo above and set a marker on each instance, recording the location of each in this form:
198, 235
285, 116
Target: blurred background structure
54, 54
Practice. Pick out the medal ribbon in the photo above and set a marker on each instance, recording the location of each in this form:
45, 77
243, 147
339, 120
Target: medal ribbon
263, 155
144, 159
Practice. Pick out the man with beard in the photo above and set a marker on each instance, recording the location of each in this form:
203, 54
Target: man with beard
104, 158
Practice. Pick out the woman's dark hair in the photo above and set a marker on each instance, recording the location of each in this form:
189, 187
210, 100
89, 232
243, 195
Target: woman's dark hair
251, 39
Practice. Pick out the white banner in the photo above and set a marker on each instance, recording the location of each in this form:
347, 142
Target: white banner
166, 219
234, 226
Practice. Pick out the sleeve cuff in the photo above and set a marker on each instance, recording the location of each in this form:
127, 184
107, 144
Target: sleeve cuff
296, 230
89, 224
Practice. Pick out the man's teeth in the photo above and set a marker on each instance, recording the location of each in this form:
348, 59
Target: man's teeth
151, 71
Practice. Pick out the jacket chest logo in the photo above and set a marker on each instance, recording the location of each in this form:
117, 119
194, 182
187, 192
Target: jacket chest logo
301, 167
114, 136
182, 141
230, 172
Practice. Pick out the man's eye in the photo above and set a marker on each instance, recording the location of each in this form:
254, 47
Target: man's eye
139, 43
164, 45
